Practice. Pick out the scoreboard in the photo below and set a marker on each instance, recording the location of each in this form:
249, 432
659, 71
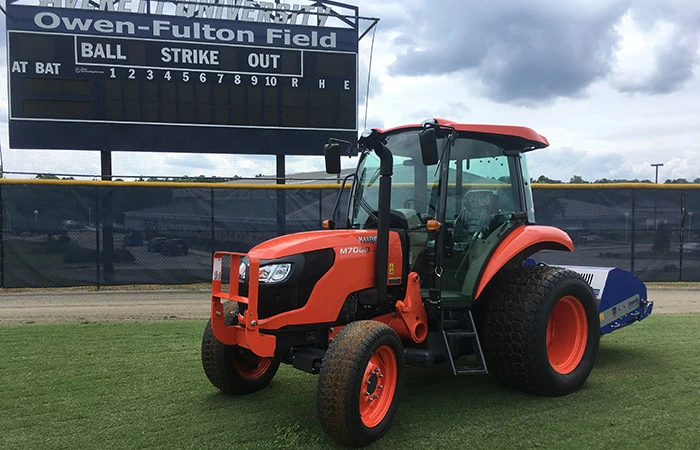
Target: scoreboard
105, 80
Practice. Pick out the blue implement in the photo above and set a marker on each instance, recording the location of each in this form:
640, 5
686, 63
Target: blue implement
622, 297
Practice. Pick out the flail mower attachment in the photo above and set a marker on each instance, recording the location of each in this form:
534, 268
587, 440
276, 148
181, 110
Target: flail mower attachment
622, 297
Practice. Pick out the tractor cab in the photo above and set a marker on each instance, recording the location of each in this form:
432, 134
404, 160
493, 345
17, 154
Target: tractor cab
456, 192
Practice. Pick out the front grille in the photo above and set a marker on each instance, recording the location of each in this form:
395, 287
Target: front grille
275, 299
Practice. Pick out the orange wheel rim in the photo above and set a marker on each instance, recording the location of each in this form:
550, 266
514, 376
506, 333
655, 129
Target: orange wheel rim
378, 386
567, 334
249, 365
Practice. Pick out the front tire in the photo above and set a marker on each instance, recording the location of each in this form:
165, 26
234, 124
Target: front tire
360, 383
234, 369
541, 330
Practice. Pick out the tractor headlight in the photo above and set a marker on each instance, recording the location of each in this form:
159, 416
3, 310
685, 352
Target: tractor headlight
270, 273
274, 273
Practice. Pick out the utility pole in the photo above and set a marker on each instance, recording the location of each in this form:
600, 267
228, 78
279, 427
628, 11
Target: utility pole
656, 166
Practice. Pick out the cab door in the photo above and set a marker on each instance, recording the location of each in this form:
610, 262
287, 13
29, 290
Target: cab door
481, 199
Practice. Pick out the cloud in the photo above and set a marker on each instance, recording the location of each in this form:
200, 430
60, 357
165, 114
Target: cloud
304, 164
659, 47
683, 164
373, 121
391, 14
150, 164
537, 50
190, 161
561, 163
26, 163
366, 78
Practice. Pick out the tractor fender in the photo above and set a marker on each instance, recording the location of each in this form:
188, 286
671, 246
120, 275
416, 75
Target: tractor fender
525, 240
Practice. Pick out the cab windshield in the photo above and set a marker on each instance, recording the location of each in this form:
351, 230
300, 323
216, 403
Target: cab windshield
479, 185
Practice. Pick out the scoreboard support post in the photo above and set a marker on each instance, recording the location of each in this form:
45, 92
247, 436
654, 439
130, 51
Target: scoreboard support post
106, 165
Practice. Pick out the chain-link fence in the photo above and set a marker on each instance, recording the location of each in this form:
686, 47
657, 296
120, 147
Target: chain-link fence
65, 233
647, 229
69, 234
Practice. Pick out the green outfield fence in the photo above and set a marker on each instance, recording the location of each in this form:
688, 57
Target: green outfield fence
73, 233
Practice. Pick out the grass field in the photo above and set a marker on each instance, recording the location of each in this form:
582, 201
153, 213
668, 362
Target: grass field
141, 385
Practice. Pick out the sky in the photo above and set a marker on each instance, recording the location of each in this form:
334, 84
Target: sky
613, 85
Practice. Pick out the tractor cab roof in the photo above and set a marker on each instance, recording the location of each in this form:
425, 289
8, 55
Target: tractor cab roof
504, 136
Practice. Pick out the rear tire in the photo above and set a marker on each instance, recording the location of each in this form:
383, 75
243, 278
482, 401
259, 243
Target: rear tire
360, 383
234, 369
540, 330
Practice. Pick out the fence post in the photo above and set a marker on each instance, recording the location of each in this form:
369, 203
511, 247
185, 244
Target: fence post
97, 239
108, 238
634, 221
682, 235
211, 208
281, 197
320, 206
2, 237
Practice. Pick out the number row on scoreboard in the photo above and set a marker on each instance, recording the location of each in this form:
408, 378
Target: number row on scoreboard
167, 76
202, 77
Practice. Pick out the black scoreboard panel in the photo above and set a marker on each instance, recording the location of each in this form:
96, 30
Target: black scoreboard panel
323, 96
109, 88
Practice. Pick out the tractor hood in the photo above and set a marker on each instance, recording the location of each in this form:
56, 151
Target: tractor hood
355, 252
307, 241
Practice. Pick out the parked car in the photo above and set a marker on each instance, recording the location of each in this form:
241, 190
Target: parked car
72, 225
591, 238
156, 244
174, 247
691, 247
133, 240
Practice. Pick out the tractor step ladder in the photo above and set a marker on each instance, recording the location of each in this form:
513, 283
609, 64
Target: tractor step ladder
461, 334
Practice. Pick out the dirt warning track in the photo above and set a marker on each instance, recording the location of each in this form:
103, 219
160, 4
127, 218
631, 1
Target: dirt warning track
141, 305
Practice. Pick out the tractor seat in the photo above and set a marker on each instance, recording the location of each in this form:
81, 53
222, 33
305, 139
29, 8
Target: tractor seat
478, 208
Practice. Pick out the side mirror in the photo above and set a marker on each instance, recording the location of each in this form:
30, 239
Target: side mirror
428, 146
331, 152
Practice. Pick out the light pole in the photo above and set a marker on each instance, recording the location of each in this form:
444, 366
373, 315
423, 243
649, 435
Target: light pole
656, 166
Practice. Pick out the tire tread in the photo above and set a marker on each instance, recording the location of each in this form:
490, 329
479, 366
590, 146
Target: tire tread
337, 394
218, 360
518, 303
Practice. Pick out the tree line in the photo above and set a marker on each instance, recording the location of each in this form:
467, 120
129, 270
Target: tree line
576, 179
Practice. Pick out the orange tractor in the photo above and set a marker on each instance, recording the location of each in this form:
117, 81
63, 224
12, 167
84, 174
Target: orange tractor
427, 268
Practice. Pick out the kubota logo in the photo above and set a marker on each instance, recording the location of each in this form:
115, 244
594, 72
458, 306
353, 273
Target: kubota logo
351, 250
367, 239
